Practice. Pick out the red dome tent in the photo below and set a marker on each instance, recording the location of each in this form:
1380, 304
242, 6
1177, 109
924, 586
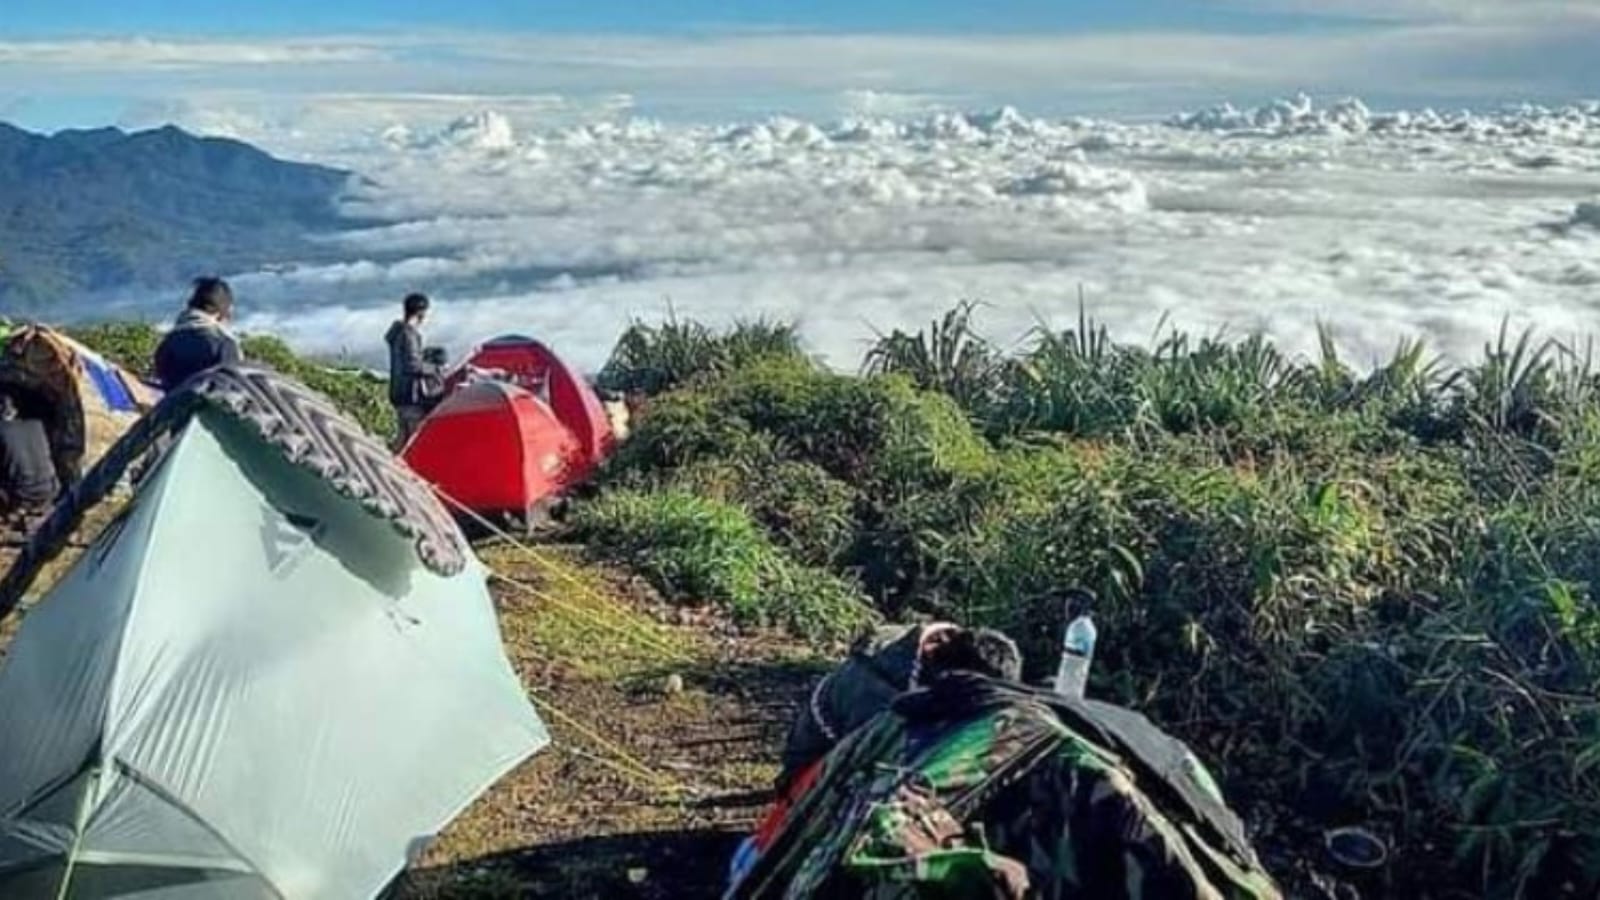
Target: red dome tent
516, 428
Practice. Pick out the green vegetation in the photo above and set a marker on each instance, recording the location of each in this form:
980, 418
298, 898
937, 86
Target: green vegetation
358, 394
698, 549
89, 212
653, 358
131, 345
1365, 597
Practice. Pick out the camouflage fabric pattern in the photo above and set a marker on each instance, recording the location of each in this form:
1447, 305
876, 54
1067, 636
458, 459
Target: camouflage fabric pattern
1009, 803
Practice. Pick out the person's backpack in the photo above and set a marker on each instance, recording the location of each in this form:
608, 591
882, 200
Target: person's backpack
430, 384
980, 788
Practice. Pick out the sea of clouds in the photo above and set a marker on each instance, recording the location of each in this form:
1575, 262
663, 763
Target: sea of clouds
1273, 219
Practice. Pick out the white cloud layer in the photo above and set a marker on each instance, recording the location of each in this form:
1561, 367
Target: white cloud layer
1417, 224
560, 184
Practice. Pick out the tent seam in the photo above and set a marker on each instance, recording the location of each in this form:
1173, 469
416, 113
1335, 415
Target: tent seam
165, 794
113, 690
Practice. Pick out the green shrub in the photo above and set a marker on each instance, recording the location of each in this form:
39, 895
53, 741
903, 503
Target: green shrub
817, 604
682, 427
949, 357
881, 429
652, 359
815, 457
693, 548
809, 511
804, 509
1075, 381
696, 549
131, 345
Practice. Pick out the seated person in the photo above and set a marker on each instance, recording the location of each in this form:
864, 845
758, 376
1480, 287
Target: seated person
28, 481
200, 338
975, 785
880, 667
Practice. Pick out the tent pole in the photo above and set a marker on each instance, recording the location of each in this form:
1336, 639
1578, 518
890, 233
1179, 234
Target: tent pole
78, 828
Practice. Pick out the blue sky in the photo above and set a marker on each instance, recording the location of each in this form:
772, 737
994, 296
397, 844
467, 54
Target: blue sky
293, 67
53, 18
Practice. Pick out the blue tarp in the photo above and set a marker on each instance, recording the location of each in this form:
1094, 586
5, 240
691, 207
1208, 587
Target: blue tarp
109, 383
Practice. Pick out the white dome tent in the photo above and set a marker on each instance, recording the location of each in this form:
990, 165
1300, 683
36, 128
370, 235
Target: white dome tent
275, 675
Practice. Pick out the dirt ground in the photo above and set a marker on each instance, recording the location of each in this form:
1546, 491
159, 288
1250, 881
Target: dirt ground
666, 729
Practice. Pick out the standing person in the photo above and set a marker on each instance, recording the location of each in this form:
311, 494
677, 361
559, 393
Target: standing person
27, 474
414, 381
200, 338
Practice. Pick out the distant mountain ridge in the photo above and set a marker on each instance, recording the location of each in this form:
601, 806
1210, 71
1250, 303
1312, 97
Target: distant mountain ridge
87, 211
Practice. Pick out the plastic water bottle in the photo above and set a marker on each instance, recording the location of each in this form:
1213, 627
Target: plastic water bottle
1077, 651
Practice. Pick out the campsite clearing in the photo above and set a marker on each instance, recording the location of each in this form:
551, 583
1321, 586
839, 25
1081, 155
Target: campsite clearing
578, 820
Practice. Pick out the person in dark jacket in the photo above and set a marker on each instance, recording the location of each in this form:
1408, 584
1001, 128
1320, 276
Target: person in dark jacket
199, 339
27, 474
415, 381
881, 665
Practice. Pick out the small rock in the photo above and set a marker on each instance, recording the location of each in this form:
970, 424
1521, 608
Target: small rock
638, 874
672, 685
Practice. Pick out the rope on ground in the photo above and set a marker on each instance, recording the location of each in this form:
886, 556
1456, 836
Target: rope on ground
553, 569
627, 762
591, 615
636, 634
613, 765
588, 616
624, 763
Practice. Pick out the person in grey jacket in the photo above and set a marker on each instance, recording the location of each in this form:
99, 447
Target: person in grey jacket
199, 339
414, 381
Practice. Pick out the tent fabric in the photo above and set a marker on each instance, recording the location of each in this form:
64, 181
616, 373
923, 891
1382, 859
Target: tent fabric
58, 355
530, 364
290, 713
85, 401
107, 379
495, 448
304, 426
516, 428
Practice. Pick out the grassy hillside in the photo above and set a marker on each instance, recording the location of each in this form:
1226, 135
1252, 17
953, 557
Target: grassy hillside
1366, 597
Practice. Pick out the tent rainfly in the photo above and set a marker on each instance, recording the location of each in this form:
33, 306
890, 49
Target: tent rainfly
276, 674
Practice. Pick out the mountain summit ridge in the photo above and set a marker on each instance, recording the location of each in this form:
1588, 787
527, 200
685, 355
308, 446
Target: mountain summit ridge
86, 211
